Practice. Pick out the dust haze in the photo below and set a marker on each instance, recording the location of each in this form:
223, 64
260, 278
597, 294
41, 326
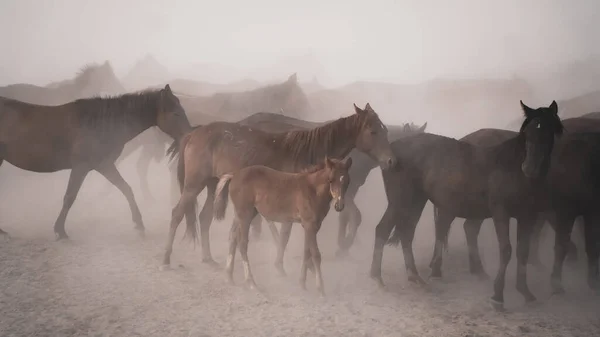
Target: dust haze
459, 66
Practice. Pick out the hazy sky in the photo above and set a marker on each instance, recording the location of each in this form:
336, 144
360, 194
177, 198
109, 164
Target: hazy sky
402, 41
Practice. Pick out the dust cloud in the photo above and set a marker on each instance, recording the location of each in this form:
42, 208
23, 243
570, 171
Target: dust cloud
459, 66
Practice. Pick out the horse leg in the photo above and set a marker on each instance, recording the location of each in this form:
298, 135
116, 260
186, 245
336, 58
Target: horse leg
311, 230
472, 227
525, 226
174, 186
243, 232
2, 232
536, 235
407, 229
355, 218
111, 174
284, 238
256, 227
563, 225
592, 248
382, 233
142, 166
185, 206
206, 216
442, 227
501, 224
76, 179
571, 247
233, 241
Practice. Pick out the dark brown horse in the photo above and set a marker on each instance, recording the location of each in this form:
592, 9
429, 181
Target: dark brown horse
282, 197
84, 135
219, 148
472, 227
473, 182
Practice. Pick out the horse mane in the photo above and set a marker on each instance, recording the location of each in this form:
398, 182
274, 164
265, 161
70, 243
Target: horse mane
119, 111
313, 145
313, 168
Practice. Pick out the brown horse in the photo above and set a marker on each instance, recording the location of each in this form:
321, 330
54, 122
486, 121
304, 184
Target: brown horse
84, 135
282, 197
208, 152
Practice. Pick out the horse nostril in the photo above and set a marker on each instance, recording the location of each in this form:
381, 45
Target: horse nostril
390, 162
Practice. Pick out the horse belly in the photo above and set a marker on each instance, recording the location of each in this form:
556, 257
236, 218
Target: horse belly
37, 158
276, 209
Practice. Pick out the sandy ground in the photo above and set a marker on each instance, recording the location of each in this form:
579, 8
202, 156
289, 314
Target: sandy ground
106, 281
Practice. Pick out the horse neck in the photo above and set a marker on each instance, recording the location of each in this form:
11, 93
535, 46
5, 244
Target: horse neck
319, 180
334, 140
509, 153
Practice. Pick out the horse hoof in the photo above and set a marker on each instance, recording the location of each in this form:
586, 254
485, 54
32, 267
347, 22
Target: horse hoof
141, 232
280, 271
482, 276
497, 305
164, 267
61, 236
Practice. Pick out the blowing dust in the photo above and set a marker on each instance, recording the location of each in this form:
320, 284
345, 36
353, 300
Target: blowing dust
106, 280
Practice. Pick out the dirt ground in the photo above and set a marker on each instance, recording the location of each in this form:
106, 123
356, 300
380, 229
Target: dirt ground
106, 281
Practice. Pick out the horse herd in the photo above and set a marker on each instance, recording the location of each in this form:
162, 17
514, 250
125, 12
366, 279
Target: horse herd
288, 171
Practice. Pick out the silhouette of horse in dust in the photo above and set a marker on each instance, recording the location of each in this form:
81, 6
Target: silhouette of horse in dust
303, 197
363, 164
208, 152
469, 181
92, 79
84, 135
223, 106
492, 137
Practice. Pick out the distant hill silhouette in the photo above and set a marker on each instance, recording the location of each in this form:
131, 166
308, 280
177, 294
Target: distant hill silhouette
146, 72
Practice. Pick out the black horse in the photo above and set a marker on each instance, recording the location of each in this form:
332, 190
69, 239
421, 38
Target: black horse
472, 227
464, 180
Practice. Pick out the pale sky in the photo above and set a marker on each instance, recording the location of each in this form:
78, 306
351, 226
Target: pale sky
398, 41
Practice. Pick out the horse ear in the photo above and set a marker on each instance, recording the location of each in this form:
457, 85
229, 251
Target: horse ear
293, 78
368, 107
168, 88
357, 109
554, 107
406, 127
348, 162
328, 162
422, 128
526, 110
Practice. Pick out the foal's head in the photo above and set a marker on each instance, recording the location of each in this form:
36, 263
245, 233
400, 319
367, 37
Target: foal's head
339, 179
171, 117
540, 127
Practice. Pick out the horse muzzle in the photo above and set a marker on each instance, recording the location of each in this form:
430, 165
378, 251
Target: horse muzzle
339, 205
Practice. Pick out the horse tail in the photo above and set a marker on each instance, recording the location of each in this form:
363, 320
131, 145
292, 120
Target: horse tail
222, 196
180, 143
394, 239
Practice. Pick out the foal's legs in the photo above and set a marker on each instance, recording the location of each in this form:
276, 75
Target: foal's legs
256, 227
284, 238
244, 220
206, 216
110, 172
76, 179
233, 241
2, 232
311, 251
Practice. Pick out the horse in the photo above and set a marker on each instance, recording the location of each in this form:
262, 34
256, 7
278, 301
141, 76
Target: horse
469, 181
208, 152
472, 227
92, 79
303, 197
84, 135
